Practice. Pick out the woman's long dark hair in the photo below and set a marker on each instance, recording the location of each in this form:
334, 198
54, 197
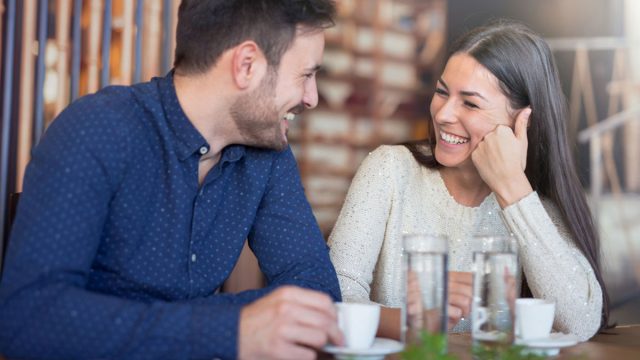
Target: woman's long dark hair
522, 62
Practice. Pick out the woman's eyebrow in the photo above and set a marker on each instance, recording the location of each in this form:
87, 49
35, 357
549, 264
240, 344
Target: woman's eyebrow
443, 83
463, 92
472, 93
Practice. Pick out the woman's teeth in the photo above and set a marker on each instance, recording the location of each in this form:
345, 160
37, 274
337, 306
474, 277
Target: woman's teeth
452, 139
290, 116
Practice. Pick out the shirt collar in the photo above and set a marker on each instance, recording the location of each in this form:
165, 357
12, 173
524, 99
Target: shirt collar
190, 140
233, 153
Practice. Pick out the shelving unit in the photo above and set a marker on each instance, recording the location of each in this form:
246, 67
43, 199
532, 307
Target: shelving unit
380, 61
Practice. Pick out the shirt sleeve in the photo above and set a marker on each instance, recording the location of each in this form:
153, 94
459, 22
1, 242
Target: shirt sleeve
359, 232
555, 267
285, 236
46, 310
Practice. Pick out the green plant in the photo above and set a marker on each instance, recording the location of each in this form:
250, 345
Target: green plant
431, 347
513, 352
434, 347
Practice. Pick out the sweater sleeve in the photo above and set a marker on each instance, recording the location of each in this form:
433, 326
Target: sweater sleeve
359, 232
555, 268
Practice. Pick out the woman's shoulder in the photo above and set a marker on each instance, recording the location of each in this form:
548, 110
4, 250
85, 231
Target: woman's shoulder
398, 155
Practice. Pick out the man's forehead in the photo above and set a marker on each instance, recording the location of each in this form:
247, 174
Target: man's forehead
307, 49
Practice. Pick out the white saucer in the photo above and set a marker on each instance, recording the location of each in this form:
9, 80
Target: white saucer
378, 350
549, 346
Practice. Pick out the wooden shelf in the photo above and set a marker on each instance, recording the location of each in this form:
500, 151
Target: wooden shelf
372, 94
347, 141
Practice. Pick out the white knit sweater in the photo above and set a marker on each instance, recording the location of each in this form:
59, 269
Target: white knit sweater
392, 195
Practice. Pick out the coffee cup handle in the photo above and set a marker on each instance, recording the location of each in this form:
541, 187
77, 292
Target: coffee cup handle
479, 317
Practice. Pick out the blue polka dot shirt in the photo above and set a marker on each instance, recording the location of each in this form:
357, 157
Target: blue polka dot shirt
117, 252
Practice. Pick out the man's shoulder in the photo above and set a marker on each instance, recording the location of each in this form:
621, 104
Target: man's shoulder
115, 107
107, 106
122, 100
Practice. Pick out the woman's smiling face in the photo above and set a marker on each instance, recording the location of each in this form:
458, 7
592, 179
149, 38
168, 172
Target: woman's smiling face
467, 105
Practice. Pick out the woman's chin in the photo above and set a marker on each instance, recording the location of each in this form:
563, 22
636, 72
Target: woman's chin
454, 161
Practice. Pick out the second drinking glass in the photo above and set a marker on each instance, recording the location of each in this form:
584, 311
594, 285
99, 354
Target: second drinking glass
495, 288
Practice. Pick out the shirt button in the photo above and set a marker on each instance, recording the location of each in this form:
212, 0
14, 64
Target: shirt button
193, 257
204, 150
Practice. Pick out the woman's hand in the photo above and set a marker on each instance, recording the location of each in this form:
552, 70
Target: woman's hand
460, 296
417, 316
414, 302
501, 158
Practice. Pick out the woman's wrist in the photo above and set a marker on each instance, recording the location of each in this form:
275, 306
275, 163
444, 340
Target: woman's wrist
512, 191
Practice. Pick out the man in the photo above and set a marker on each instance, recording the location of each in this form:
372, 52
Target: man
138, 200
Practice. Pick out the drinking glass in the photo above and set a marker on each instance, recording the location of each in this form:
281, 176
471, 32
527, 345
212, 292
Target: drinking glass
495, 288
425, 265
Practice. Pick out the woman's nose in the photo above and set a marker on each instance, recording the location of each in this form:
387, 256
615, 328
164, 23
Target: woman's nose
445, 112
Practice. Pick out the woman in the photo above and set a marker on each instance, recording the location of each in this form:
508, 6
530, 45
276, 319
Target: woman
497, 162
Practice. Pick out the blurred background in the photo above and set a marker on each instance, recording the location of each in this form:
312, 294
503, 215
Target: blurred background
381, 61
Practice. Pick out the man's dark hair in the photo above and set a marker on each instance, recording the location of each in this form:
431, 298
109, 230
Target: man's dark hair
207, 28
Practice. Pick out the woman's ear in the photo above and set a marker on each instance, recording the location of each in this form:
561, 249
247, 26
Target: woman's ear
529, 111
248, 64
523, 115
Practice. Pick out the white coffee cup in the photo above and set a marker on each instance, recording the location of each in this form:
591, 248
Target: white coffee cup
359, 323
534, 318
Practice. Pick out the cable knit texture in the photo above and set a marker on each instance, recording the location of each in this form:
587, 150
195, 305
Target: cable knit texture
392, 195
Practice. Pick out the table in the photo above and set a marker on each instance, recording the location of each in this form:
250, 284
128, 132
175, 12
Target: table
622, 342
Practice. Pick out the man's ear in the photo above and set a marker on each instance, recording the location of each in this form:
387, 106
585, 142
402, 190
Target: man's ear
248, 64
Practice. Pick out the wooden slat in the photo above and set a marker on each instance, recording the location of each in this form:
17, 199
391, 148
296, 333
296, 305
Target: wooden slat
152, 39
166, 35
77, 49
25, 107
610, 165
174, 26
95, 25
126, 60
63, 22
137, 69
38, 118
105, 78
582, 93
632, 98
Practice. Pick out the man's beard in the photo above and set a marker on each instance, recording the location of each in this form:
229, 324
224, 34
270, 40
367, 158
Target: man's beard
257, 118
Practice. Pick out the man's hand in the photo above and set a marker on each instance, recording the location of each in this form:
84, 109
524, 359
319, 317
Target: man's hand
289, 323
460, 296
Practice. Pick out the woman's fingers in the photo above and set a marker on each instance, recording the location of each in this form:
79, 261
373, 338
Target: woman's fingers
520, 131
461, 303
461, 291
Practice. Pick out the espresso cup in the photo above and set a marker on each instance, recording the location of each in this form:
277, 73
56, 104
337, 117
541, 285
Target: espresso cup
534, 318
358, 323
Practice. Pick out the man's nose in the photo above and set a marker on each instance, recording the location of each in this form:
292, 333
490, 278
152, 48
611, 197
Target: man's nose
310, 98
